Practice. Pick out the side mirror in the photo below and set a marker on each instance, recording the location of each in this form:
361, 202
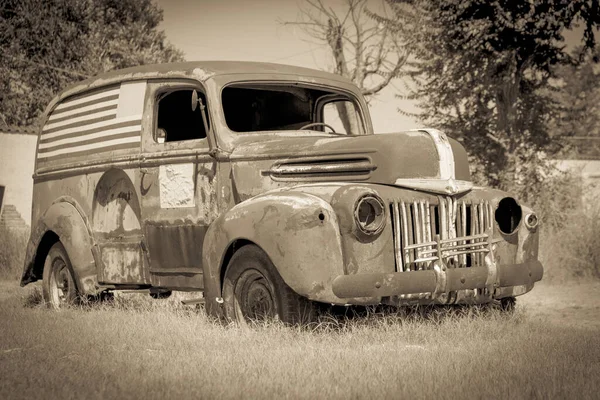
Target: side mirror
194, 100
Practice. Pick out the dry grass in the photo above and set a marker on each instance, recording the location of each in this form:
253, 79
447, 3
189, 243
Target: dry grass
572, 250
139, 348
135, 347
12, 252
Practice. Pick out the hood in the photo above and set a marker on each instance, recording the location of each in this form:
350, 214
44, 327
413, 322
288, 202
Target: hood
420, 159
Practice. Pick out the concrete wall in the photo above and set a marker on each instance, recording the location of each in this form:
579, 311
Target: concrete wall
17, 158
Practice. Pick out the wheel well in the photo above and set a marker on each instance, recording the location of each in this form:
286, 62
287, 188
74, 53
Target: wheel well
46, 243
233, 247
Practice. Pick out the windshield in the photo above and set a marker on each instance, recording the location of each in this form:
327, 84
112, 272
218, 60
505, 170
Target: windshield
279, 107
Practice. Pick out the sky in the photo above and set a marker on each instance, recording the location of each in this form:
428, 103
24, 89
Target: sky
253, 30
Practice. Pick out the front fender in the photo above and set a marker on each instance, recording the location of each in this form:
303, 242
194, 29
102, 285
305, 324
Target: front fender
64, 219
298, 231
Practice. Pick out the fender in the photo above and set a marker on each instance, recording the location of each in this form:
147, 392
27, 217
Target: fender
65, 218
298, 231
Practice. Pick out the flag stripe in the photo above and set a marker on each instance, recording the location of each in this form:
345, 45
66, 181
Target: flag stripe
89, 103
86, 153
93, 147
91, 138
109, 105
84, 119
96, 127
87, 97
79, 125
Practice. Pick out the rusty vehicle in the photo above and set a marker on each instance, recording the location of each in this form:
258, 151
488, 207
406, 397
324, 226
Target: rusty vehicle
264, 187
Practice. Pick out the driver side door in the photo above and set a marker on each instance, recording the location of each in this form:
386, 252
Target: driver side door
178, 184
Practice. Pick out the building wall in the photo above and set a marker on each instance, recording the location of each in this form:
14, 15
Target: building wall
17, 159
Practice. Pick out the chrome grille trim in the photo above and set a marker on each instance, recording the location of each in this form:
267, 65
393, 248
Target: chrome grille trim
458, 233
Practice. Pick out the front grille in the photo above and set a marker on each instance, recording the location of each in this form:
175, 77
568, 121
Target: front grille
456, 232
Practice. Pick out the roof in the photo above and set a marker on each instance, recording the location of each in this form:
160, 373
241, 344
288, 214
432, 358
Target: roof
201, 70
219, 68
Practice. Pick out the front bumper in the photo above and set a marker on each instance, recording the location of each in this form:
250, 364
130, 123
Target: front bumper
440, 281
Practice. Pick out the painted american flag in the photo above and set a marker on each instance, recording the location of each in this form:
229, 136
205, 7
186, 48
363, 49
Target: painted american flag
104, 120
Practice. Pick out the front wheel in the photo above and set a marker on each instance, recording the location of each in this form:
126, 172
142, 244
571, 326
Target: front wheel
253, 290
59, 289
507, 304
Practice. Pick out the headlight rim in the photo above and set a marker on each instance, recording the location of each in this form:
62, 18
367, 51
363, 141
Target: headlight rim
517, 225
529, 226
383, 216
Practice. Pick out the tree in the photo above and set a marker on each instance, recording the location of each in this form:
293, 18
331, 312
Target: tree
367, 52
46, 45
577, 96
482, 68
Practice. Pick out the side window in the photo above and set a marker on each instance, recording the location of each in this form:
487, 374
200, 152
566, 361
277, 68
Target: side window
343, 116
177, 120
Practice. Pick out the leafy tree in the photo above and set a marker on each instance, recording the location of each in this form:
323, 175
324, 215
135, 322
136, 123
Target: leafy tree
46, 45
482, 68
577, 96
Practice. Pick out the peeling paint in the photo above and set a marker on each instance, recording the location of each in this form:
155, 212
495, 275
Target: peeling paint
202, 74
177, 185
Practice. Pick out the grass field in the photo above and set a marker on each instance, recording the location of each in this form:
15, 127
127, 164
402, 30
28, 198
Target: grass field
141, 348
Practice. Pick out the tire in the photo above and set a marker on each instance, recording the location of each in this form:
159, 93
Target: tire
59, 288
159, 294
507, 304
253, 290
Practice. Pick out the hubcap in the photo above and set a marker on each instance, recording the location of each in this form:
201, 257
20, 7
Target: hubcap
62, 284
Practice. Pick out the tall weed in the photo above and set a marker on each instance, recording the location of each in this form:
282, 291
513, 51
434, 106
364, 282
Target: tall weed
12, 251
570, 226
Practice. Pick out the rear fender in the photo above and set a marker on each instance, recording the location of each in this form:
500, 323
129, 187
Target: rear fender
66, 220
298, 231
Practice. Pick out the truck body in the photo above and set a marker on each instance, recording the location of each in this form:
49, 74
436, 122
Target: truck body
155, 177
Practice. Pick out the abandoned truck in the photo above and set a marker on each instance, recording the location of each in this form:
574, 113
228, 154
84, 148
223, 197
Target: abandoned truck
264, 187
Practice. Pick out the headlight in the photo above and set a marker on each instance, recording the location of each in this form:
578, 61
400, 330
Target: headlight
369, 214
508, 215
531, 221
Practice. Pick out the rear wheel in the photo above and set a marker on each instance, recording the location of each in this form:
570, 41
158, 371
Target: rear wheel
59, 289
158, 294
253, 290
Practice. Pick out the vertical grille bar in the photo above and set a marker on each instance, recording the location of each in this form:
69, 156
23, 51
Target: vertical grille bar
491, 216
474, 230
481, 227
452, 224
427, 223
418, 236
405, 236
463, 225
397, 236
443, 218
